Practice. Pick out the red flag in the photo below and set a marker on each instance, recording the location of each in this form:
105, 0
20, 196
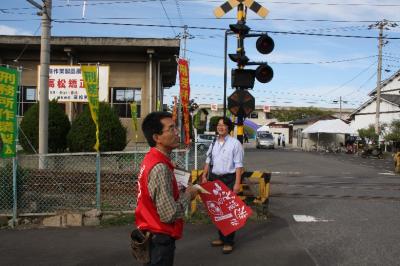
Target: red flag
226, 210
183, 69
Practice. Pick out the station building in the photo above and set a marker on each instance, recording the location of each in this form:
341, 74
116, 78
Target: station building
130, 70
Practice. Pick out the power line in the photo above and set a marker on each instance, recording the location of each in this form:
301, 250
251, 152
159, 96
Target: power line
356, 76
178, 7
309, 3
362, 85
166, 14
222, 29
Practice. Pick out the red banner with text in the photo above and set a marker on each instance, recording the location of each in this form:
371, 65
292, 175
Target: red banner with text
184, 96
226, 210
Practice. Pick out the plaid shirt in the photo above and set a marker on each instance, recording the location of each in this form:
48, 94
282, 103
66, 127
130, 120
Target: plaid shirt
161, 192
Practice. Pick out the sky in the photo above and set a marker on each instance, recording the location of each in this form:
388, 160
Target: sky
324, 49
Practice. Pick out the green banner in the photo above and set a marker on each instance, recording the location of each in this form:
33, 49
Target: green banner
91, 84
8, 111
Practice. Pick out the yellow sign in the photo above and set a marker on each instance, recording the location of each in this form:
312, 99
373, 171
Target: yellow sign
251, 4
91, 84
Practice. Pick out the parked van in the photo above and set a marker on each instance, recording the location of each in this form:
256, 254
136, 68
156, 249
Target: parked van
265, 140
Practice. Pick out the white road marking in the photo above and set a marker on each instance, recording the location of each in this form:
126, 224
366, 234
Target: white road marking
387, 173
308, 219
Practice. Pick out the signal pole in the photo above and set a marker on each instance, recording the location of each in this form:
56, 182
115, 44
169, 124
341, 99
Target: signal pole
241, 19
241, 103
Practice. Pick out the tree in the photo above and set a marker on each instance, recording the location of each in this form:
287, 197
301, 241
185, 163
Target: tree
198, 123
82, 136
298, 113
369, 133
394, 131
57, 130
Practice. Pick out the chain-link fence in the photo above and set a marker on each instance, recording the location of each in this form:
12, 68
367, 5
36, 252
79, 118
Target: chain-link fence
79, 181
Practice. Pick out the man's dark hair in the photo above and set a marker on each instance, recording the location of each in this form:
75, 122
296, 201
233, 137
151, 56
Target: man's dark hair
227, 122
152, 125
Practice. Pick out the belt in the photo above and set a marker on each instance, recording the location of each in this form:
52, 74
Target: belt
224, 175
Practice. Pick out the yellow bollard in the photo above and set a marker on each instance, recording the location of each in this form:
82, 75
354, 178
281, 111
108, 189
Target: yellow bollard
397, 162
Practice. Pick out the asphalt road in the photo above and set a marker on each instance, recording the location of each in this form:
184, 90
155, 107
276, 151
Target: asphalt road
327, 209
354, 203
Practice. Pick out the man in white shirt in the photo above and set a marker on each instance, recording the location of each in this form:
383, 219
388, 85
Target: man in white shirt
224, 162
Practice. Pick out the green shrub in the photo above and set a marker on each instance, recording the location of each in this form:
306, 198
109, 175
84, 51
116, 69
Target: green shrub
57, 130
82, 136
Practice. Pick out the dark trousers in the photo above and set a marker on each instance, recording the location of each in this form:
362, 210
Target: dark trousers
162, 250
229, 181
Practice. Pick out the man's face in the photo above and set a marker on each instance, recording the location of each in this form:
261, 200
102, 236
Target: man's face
168, 138
222, 129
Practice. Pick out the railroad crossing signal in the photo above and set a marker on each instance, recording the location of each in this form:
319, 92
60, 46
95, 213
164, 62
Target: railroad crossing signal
230, 4
241, 103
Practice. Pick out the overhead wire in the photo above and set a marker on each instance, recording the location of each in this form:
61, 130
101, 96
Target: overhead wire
362, 85
221, 29
350, 80
169, 21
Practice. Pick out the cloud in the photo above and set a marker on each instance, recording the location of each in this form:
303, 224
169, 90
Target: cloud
6, 30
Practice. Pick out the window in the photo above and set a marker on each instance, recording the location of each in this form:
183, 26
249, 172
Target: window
268, 116
27, 98
254, 115
123, 97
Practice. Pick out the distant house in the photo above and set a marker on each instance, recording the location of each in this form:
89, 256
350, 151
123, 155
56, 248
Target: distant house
363, 116
299, 125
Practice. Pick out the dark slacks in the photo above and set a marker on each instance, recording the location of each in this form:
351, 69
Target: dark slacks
162, 250
229, 181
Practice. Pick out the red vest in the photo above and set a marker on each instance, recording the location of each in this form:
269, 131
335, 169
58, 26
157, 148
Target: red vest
146, 215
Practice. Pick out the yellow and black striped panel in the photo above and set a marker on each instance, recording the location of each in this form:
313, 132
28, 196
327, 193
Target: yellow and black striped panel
225, 8
256, 7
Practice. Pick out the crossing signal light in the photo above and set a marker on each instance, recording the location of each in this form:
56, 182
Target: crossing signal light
264, 73
265, 44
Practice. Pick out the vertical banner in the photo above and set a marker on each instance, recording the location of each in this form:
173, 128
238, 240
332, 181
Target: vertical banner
91, 84
184, 96
226, 210
8, 111
134, 118
174, 110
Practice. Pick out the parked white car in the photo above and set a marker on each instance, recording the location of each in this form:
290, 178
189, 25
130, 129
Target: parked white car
204, 141
265, 140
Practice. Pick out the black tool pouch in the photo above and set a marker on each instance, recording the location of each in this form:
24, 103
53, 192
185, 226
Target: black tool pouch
140, 245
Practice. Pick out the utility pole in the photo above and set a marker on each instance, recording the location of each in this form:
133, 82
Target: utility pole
379, 77
340, 105
381, 25
184, 36
45, 12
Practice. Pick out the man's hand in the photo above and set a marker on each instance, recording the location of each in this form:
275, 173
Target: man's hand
236, 188
192, 192
203, 178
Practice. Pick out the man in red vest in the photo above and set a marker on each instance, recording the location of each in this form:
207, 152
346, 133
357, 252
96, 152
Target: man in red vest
161, 205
